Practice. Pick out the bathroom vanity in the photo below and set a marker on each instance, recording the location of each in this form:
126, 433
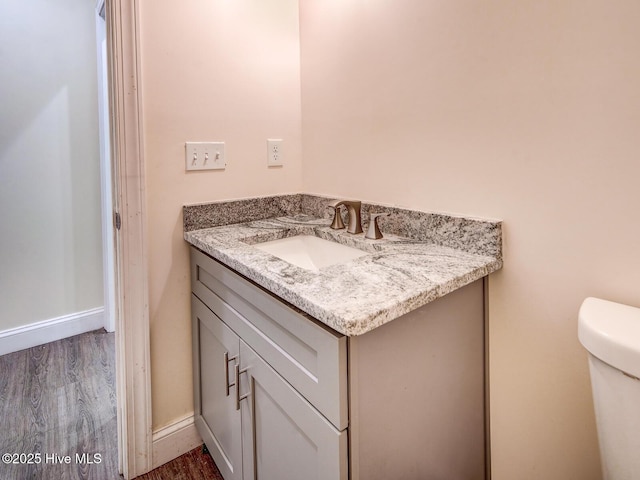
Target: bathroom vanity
364, 369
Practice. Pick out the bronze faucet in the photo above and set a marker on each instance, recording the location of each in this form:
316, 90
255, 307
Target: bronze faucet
353, 208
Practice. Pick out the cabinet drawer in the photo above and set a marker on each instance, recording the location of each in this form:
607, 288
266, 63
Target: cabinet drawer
310, 356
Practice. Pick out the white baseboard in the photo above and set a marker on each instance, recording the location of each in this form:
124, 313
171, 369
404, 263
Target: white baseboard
174, 440
50, 330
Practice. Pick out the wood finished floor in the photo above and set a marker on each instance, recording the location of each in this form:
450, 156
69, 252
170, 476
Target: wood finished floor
60, 399
193, 465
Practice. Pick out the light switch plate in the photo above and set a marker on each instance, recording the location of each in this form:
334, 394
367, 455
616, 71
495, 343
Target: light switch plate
205, 156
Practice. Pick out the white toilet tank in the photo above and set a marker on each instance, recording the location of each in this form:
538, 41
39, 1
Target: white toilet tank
611, 334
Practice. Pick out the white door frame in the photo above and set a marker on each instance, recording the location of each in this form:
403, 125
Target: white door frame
106, 182
133, 379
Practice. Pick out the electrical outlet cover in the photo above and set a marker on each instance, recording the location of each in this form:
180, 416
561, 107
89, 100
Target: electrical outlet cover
275, 156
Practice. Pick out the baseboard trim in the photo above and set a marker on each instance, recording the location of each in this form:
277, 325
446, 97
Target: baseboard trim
39, 333
174, 440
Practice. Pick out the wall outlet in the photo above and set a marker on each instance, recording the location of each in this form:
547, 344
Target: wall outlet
274, 153
205, 156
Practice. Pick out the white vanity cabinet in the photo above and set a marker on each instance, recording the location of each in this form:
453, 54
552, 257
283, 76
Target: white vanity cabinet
269, 383
404, 401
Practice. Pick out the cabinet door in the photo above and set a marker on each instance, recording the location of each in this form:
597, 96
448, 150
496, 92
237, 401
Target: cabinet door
216, 350
286, 438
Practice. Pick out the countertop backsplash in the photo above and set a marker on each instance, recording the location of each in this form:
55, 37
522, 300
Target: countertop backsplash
471, 235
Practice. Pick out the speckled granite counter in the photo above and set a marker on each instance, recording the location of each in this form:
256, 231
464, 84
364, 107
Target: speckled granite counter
422, 257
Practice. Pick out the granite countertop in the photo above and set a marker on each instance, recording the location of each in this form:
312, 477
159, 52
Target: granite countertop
398, 275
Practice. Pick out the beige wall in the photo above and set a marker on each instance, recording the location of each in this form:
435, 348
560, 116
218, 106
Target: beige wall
50, 219
212, 70
527, 111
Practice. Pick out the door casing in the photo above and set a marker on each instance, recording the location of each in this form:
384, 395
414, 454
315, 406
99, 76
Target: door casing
133, 379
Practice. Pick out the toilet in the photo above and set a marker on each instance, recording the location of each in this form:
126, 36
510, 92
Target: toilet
611, 334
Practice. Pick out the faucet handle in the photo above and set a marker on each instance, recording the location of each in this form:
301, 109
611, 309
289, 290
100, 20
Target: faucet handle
373, 232
337, 223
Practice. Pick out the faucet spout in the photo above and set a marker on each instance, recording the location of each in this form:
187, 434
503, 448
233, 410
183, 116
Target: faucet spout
353, 209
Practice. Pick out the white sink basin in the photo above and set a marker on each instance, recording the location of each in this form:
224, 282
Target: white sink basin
310, 252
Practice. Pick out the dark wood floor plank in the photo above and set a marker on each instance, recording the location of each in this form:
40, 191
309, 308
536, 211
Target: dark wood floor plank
193, 465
